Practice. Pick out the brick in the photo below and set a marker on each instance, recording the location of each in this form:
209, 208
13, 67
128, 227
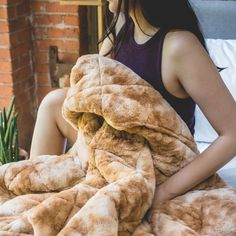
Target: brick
38, 6
41, 57
5, 78
22, 73
22, 49
11, 12
64, 46
47, 20
54, 25
4, 39
70, 46
5, 67
25, 126
17, 38
44, 44
25, 95
25, 35
6, 91
71, 20
43, 79
68, 57
25, 103
23, 9
4, 27
8, 2
19, 23
25, 118
40, 33
43, 91
58, 8
5, 53
5, 101
3, 2
15, 64
14, 39
63, 33
3, 12
24, 86
25, 139
23, 60
42, 68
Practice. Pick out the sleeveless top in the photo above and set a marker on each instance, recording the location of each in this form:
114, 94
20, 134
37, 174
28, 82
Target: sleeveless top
145, 60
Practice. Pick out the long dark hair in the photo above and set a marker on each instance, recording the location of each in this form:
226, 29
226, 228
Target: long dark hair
163, 14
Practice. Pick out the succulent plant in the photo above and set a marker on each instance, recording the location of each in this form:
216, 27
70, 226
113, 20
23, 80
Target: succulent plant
9, 148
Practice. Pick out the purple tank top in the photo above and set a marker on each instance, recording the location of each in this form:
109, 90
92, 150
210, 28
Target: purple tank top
145, 60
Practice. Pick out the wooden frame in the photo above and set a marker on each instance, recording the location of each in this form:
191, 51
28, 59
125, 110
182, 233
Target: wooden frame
97, 3
81, 2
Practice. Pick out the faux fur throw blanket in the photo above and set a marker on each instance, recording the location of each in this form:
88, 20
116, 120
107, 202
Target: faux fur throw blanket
129, 141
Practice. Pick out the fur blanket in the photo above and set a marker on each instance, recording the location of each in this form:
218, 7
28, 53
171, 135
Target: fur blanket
129, 141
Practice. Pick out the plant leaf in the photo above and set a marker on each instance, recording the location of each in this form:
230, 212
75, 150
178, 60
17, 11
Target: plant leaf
3, 151
4, 119
9, 111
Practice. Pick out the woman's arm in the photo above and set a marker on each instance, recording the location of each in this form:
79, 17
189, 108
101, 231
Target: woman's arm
199, 77
106, 46
107, 43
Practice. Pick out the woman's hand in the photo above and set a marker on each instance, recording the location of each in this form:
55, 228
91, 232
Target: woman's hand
23, 154
160, 196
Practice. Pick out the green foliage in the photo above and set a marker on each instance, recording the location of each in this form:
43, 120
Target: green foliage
9, 148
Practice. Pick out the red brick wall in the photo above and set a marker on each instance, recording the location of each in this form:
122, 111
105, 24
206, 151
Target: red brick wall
16, 68
54, 25
27, 29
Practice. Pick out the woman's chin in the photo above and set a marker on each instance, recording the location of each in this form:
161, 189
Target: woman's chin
112, 8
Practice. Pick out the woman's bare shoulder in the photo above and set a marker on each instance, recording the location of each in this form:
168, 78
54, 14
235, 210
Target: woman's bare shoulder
180, 41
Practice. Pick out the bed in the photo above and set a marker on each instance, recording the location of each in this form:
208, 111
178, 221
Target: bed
217, 19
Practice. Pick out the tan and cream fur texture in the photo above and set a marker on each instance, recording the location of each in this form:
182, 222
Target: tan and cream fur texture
129, 141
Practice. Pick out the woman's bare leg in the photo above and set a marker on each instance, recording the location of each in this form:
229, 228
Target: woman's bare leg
51, 130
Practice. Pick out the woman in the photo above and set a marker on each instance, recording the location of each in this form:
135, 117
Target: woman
168, 50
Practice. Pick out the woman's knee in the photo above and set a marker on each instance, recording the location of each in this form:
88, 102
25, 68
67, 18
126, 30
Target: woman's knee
51, 106
53, 100
50, 110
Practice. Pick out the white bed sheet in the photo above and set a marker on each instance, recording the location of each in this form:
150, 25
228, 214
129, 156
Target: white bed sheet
228, 171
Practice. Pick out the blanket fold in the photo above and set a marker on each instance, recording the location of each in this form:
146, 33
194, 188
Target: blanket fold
129, 141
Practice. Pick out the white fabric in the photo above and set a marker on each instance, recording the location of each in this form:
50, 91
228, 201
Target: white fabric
223, 53
227, 172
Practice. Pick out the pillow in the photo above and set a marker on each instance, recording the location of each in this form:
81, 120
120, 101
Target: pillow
223, 53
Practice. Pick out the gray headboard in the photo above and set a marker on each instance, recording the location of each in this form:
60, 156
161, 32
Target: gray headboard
217, 18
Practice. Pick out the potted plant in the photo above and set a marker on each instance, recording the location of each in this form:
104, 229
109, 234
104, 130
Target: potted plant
9, 148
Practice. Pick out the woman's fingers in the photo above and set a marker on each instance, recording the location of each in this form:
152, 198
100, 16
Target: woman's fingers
23, 154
